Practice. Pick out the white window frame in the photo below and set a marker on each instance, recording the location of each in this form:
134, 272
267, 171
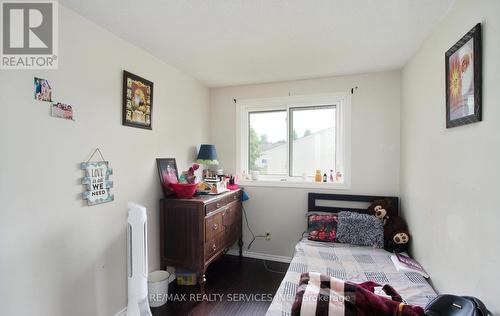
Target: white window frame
342, 102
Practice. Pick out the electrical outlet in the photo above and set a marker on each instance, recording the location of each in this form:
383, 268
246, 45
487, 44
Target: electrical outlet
268, 236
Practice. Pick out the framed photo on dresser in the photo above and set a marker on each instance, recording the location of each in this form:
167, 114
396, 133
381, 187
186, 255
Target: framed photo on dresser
167, 170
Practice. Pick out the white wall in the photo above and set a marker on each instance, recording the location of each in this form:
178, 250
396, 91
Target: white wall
58, 256
449, 177
375, 150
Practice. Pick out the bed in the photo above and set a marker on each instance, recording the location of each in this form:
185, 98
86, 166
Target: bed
347, 262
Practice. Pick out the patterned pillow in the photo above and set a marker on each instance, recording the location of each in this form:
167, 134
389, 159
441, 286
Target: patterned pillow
322, 227
360, 229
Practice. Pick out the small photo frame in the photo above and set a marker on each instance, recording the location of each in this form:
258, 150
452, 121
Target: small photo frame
463, 80
61, 110
137, 101
167, 170
43, 90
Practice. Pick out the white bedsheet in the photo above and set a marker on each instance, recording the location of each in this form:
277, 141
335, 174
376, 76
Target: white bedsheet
352, 263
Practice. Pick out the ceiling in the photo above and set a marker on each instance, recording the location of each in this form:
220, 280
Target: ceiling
234, 42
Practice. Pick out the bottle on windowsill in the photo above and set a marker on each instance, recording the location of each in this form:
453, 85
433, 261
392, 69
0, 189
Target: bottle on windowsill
324, 178
317, 176
338, 176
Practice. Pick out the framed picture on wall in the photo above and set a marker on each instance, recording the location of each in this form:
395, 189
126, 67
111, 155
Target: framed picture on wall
463, 80
167, 170
137, 101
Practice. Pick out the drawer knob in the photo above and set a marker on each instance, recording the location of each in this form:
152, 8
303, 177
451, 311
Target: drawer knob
235, 197
217, 204
215, 226
214, 247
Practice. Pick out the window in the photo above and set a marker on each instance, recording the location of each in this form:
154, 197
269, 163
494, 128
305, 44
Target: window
267, 151
288, 139
313, 139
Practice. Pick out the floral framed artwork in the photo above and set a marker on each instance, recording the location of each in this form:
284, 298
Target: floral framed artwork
137, 101
167, 170
463, 80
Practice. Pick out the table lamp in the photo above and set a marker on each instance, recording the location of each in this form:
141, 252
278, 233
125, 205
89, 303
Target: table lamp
207, 155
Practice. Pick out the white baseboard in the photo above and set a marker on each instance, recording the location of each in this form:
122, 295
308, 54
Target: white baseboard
123, 312
258, 255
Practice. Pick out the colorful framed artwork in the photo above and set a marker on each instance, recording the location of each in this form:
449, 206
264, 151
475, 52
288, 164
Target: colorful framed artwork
167, 170
61, 110
137, 101
463, 80
43, 90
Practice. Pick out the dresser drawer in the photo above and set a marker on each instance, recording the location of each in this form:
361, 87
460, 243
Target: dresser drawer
233, 197
211, 207
212, 247
222, 201
230, 214
213, 225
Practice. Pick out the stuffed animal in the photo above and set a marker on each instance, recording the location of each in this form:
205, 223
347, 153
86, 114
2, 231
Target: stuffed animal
189, 176
383, 209
396, 235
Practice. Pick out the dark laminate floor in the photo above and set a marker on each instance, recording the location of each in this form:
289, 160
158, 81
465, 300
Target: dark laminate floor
232, 288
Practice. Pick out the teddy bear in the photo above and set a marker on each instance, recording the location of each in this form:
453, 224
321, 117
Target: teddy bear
396, 235
383, 209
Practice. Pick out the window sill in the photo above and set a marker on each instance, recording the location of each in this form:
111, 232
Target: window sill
294, 184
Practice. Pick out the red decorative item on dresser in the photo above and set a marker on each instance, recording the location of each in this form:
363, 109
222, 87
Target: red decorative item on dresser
184, 190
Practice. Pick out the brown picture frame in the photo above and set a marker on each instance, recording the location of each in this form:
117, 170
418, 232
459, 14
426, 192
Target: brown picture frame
463, 80
137, 101
162, 164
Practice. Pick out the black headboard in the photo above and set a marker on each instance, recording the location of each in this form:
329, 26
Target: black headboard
313, 197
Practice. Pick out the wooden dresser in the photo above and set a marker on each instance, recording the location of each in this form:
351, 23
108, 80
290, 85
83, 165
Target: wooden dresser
195, 232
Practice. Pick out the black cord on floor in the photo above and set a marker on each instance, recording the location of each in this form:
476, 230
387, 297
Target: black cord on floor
248, 226
253, 239
271, 270
249, 229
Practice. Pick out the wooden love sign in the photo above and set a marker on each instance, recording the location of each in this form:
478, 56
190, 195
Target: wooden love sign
97, 181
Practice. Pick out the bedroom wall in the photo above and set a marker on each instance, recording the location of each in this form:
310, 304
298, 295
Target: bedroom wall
60, 257
375, 150
449, 177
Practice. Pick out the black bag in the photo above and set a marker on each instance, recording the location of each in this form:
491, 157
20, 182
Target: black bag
451, 305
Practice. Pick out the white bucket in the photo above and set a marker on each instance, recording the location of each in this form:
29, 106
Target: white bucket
158, 287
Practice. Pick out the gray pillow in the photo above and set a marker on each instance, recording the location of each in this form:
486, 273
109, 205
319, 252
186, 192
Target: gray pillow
360, 229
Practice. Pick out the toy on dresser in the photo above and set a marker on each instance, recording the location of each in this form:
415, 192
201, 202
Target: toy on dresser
217, 185
213, 185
